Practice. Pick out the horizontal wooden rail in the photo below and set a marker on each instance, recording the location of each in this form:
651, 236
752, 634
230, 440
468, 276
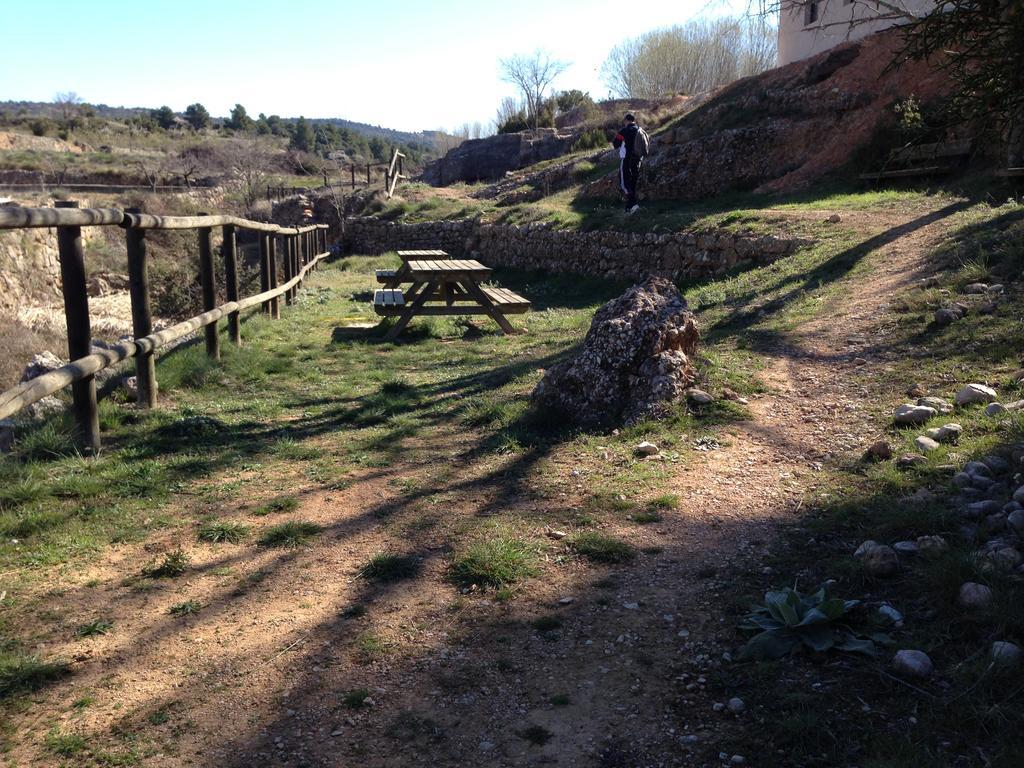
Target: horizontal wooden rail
23, 395
41, 218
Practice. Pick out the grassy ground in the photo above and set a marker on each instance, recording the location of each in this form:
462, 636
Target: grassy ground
313, 403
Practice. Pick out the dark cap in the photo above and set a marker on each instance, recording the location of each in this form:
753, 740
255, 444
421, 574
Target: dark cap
630, 117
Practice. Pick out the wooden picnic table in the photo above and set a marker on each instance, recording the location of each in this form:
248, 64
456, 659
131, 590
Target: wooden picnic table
447, 287
392, 278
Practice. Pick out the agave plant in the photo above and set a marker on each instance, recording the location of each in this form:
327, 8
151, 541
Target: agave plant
789, 620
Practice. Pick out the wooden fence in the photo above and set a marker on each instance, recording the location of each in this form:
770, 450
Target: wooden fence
350, 175
300, 248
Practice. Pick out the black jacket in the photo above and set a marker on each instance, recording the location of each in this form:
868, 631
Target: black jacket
627, 136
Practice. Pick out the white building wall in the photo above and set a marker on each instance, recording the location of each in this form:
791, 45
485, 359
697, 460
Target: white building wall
807, 28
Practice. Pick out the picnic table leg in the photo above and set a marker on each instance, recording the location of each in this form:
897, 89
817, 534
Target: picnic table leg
481, 298
410, 311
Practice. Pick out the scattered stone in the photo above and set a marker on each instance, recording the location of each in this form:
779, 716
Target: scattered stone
718, 707
1005, 558
647, 449
905, 547
878, 451
835, 218
567, 600
737, 760
1006, 654
975, 596
917, 390
880, 561
979, 509
1016, 521
975, 289
975, 393
997, 288
926, 444
931, 546
556, 534
631, 606
859, 361
940, 405
962, 480
913, 414
699, 396
977, 468
634, 364
908, 460
1018, 495
947, 433
911, 663
864, 548
996, 463
737, 705
946, 316
890, 614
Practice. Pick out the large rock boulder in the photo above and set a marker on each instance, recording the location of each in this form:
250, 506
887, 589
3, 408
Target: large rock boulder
634, 363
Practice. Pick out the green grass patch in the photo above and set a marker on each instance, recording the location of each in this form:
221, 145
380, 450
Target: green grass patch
277, 506
94, 628
601, 548
388, 567
221, 531
171, 565
186, 608
294, 533
497, 562
20, 672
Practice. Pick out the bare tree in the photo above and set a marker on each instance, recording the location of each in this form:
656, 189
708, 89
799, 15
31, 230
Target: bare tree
249, 161
532, 75
152, 169
690, 58
69, 103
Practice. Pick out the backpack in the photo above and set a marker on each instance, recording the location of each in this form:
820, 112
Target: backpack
641, 143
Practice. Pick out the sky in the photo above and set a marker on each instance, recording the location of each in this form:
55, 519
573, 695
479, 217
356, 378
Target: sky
399, 64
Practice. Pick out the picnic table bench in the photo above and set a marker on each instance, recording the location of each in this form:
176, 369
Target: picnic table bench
447, 287
392, 278
922, 160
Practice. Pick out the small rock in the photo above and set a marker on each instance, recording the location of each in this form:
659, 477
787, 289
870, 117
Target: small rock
878, 451
1018, 495
567, 600
931, 546
926, 444
913, 414
979, 509
977, 468
962, 480
864, 548
997, 288
890, 614
911, 663
859, 361
975, 289
631, 606
737, 760
1006, 654
647, 449
737, 705
1016, 521
996, 463
908, 460
946, 316
937, 403
880, 561
975, 393
917, 390
699, 396
556, 534
975, 596
835, 218
905, 547
947, 433
718, 706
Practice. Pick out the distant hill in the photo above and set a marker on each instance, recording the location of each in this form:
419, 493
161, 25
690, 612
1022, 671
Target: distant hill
425, 139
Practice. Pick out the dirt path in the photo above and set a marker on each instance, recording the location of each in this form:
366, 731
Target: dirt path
295, 661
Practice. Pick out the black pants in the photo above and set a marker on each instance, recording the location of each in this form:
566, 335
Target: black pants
629, 175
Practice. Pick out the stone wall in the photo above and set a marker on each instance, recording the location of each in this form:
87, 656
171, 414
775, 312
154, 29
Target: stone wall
612, 255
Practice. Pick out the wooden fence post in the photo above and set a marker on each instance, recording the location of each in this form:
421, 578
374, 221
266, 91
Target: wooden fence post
289, 250
352, 170
142, 315
76, 314
265, 269
229, 249
208, 280
275, 303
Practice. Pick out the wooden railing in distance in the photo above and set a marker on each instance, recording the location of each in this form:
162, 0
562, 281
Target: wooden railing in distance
304, 247
394, 173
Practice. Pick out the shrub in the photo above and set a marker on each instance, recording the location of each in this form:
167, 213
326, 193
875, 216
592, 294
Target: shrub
592, 138
93, 628
22, 672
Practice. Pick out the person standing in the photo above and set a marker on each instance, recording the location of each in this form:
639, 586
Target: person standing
633, 145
